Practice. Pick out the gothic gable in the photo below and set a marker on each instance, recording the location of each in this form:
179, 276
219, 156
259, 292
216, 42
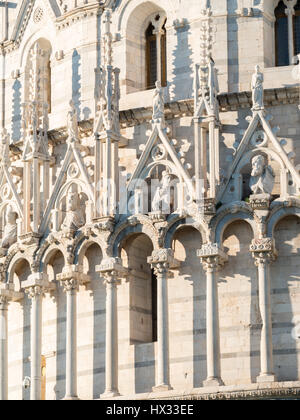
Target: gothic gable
33, 10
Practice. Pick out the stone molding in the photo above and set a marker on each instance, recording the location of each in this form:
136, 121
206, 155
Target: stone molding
173, 110
234, 392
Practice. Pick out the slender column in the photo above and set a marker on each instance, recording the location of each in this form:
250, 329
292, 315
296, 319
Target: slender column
290, 11
200, 155
111, 270
217, 154
3, 348
36, 286
159, 34
71, 278
111, 357
212, 159
161, 261
203, 153
212, 258
7, 294
264, 252
36, 295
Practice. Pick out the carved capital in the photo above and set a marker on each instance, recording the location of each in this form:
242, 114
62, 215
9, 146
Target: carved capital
162, 260
112, 270
263, 250
212, 256
72, 277
37, 285
34, 292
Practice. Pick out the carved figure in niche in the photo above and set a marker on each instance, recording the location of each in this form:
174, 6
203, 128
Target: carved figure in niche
73, 220
158, 102
161, 200
262, 176
9, 236
257, 86
72, 122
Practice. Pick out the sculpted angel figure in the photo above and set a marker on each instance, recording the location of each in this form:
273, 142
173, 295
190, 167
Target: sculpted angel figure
262, 176
72, 122
9, 236
257, 89
158, 102
73, 220
161, 200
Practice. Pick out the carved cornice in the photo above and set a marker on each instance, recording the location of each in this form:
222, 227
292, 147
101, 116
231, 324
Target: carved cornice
182, 108
75, 15
261, 394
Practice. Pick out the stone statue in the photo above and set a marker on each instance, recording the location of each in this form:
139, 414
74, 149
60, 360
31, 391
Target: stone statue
161, 200
9, 236
257, 89
262, 176
72, 122
158, 103
73, 220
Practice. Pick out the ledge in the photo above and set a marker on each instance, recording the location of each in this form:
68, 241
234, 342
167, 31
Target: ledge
277, 390
227, 101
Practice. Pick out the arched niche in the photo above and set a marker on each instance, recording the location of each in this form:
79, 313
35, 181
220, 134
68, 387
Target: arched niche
19, 272
59, 213
134, 28
239, 188
239, 313
135, 249
285, 282
187, 308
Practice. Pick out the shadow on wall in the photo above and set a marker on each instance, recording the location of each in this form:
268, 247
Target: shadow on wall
181, 86
16, 111
285, 280
144, 367
76, 81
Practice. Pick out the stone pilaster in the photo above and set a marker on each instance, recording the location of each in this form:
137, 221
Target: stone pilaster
162, 261
264, 252
36, 286
112, 271
7, 294
71, 278
212, 258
